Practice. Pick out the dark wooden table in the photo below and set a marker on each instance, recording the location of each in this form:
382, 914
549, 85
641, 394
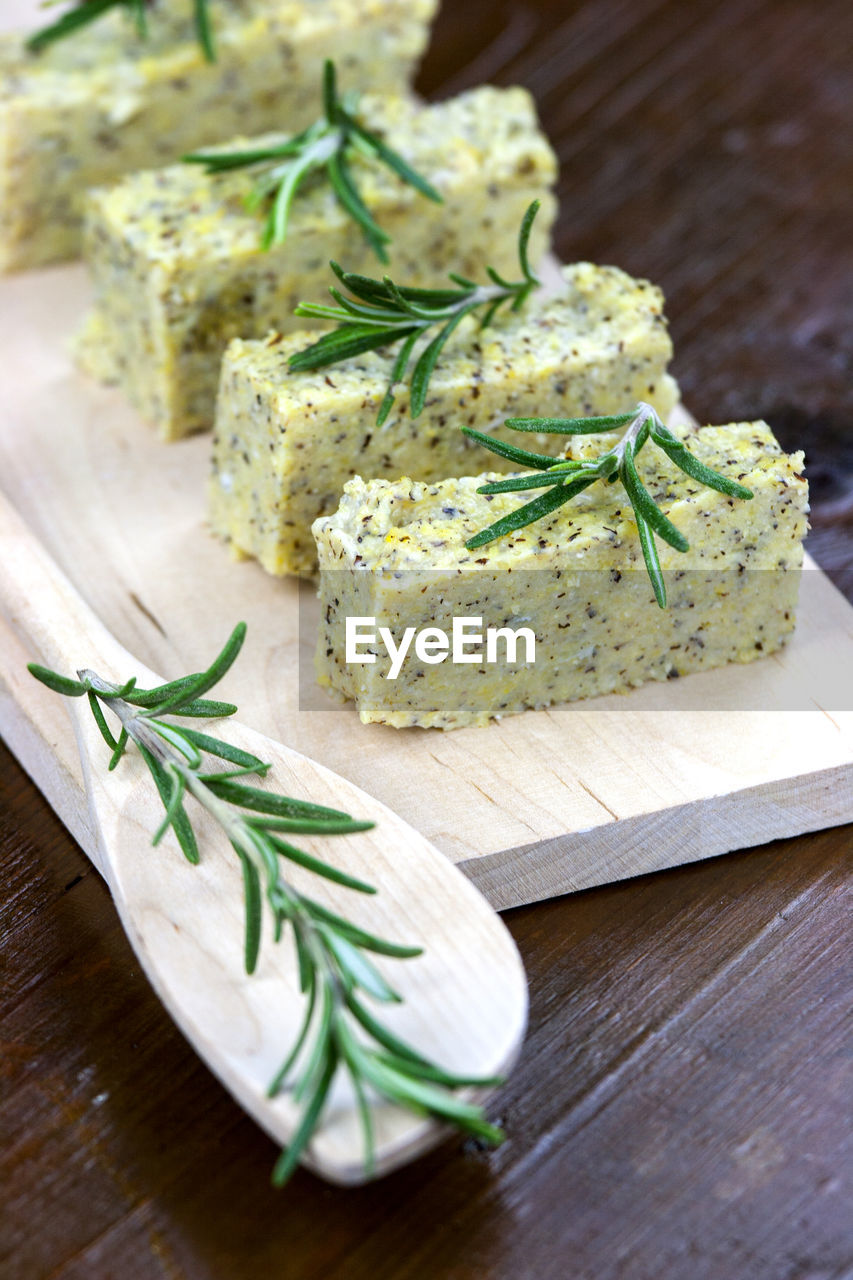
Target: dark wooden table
681, 1109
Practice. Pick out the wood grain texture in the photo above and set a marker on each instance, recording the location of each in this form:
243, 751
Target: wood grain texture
681, 1105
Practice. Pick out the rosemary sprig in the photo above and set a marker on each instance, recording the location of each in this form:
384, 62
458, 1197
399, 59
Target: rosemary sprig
381, 313
326, 145
564, 480
84, 12
337, 976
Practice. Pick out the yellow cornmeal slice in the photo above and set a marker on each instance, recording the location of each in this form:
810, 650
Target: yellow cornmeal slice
103, 102
285, 444
179, 271
396, 552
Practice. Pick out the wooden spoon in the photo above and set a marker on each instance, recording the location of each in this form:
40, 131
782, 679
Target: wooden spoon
464, 1000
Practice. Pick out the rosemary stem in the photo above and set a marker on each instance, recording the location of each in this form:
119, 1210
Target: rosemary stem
316, 154
567, 478
233, 824
136, 725
141, 732
476, 298
483, 293
645, 413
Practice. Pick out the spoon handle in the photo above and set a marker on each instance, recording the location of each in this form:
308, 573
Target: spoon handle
58, 628
45, 609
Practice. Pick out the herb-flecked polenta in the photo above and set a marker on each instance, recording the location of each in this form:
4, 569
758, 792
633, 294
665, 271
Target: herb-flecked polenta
103, 102
285, 443
179, 271
396, 551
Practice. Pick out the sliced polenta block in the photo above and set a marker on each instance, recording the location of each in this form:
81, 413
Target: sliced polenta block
567, 600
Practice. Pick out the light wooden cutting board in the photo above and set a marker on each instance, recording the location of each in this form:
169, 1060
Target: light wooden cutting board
536, 805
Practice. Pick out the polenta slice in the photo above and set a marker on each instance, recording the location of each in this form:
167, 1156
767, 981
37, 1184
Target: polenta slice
394, 556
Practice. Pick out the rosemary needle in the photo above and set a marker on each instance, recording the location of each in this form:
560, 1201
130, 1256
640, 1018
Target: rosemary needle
82, 13
325, 146
564, 480
337, 975
380, 313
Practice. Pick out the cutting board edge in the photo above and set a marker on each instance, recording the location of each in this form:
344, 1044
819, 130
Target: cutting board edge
823, 799
542, 869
